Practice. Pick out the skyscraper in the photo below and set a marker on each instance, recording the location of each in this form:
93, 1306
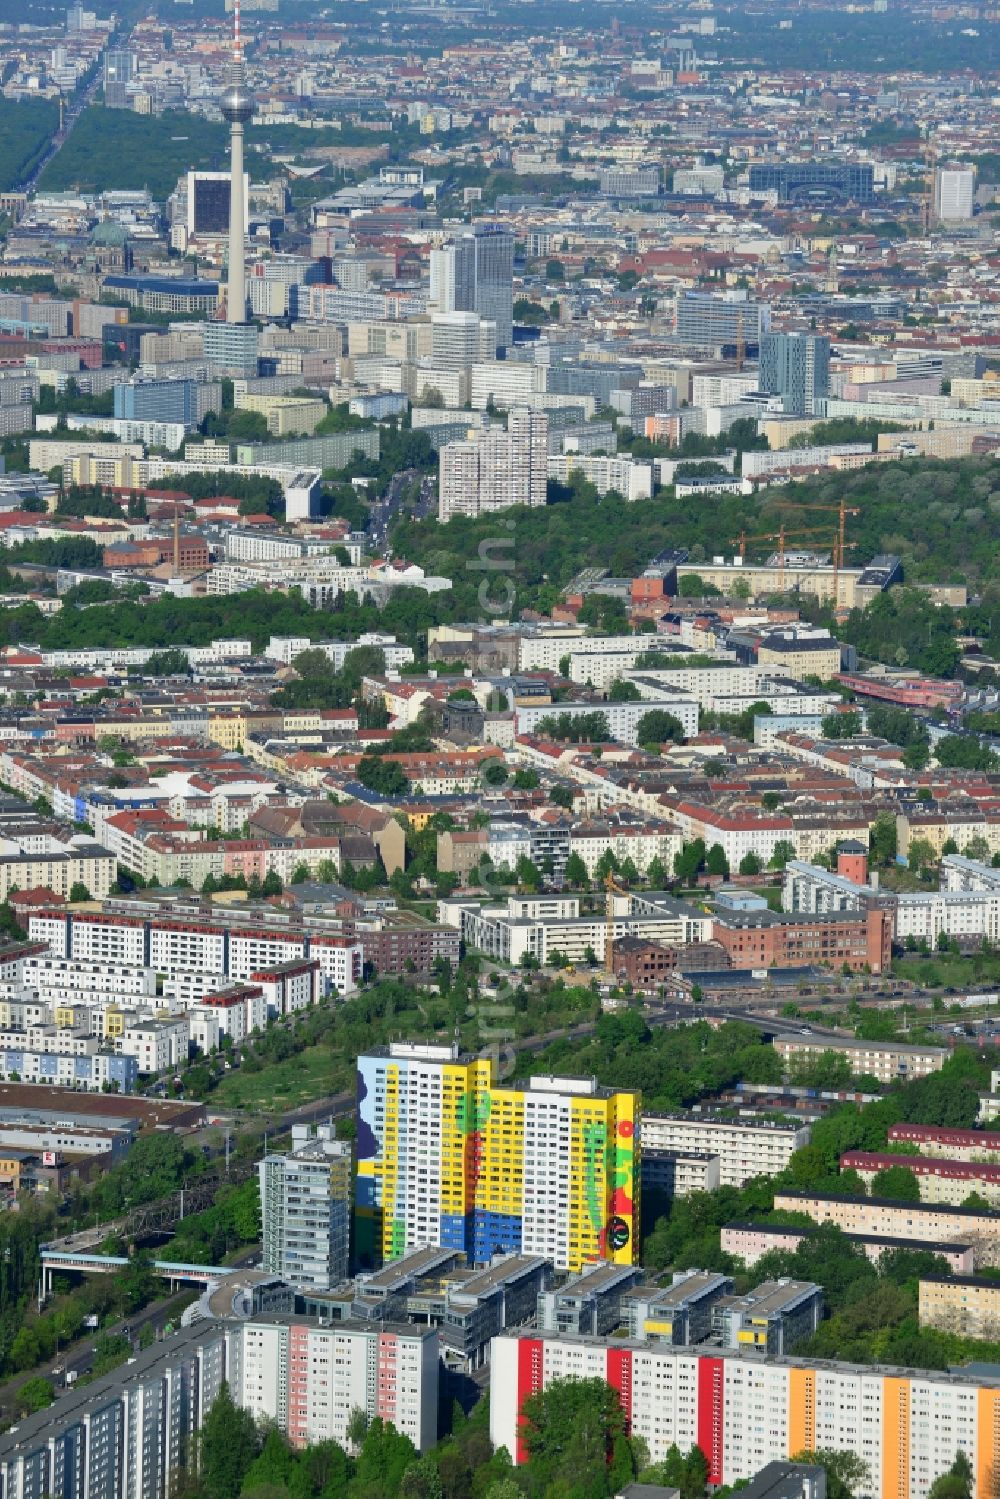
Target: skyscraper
447, 1156
493, 470
475, 273
305, 1199
494, 294
453, 276
233, 345
119, 69
954, 191
796, 367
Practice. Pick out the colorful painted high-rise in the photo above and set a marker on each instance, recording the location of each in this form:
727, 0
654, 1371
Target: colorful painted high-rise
445, 1155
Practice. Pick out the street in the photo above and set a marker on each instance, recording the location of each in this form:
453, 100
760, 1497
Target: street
74, 109
386, 511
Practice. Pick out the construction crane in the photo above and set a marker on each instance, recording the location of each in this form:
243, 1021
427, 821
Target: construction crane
927, 200
613, 888
840, 544
782, 535
741, 340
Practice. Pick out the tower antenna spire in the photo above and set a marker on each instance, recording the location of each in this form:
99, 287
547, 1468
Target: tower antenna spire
238, 109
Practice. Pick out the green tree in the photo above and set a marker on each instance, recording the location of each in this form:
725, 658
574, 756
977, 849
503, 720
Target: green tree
920, 854
624, 692
35, 1395
841, 725
688, 1473
783, 851
421, 1480
882, 839
690, 860
657, 727
384, 1457
716, 861
750, 864
570, 1431
78, 892
956, 1483
384, 777
227, 1447
274, 1465
846, 1472
897, 1182
576, 872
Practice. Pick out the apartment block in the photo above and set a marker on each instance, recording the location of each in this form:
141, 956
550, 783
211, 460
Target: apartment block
124, 1435
305, 1201
448, 1157
745, 1148
885, 1060
939, 1180
751, 1241
968, 1305
745, 1411
310, 1379
496, 469
678, 1173
931, 1223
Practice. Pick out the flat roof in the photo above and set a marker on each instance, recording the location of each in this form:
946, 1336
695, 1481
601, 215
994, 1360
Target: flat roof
72, 1405
937, 1246
66, 1104
498, 1274
850, 1043
990, 1374
895, 1202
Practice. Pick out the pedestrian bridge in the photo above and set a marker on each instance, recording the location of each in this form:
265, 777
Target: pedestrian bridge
56, 1260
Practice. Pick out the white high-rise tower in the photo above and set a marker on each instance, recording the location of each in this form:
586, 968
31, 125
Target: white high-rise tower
233, 345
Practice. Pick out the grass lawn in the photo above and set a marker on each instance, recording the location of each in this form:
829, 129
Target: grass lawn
283, 1085
948, 970
904, 881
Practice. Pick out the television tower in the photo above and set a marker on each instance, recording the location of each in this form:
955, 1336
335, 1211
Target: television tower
237, 108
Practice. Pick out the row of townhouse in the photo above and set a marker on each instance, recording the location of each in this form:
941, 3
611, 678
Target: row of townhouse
434, 773
507, 840
738, 833
164, 850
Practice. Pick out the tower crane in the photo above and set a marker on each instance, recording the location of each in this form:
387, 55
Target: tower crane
612, 888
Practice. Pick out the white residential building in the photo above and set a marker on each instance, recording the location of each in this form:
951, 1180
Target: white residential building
745, 1148
493, 470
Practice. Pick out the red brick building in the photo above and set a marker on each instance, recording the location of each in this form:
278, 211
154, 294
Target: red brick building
773, 939
645, 965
